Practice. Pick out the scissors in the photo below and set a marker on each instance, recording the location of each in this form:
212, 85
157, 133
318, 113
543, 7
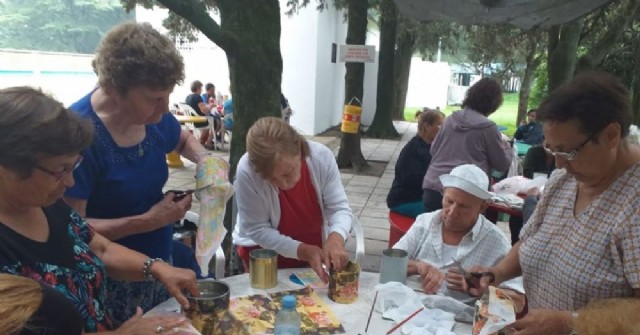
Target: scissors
473, 278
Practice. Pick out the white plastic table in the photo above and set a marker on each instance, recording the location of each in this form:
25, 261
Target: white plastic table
353, 316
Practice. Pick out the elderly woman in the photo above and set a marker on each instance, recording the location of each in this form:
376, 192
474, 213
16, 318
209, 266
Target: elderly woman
119, 185
581, 242
467, 137
290, 199
405, 195
41, 237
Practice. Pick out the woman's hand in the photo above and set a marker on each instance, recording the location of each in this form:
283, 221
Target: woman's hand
485, 281
431, 277
543, 322
314, 256
175, 280
333, 253
153, 325
167, 210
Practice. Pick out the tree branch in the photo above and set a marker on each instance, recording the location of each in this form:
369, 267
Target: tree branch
196, 13
624, 16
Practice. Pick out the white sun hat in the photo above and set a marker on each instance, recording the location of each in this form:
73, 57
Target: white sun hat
468, 178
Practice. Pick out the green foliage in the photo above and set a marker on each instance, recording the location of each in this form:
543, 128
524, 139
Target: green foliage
539, 89
431, 34
53, 25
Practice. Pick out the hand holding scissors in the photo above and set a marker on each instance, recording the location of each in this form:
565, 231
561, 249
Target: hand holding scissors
470, 280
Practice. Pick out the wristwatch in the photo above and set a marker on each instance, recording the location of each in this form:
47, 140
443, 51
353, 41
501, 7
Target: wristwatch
146, 269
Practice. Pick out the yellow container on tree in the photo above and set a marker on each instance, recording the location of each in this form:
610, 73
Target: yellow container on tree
351, 119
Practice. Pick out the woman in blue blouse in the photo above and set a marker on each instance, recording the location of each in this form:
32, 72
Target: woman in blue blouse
119, 185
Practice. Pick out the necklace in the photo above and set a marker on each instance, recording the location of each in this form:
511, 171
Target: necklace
140, 150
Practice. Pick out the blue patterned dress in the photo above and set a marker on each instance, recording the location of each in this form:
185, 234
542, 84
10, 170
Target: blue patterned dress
64, 262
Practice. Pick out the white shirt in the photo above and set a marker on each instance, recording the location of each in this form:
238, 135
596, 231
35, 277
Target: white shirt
259, 205
485, 245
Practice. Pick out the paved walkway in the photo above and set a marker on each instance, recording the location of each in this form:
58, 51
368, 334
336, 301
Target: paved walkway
367, 194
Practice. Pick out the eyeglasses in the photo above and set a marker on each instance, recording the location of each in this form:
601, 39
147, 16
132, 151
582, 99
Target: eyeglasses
60, 174
571, 155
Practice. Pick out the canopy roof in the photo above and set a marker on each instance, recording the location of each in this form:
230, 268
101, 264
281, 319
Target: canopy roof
525, 14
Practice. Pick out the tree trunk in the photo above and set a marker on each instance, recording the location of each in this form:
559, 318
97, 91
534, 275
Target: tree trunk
563, 45
402, 67
255, 70
249, 32
382, 125
350, 153
533, 61
635, 85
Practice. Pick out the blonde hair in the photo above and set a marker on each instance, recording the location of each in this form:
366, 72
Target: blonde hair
429, 117
19, 298
270, 138
136, 55
609, 316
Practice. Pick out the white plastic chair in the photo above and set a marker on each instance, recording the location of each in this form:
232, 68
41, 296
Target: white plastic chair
220, 258
188, 110
357, 231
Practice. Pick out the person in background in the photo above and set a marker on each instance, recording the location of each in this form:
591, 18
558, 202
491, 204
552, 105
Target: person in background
530, 131
203, 108
228, 114
405, 195
42, 238
537, 160
285, 108
209, 95
291, 199
608, 316
416, 116
118, 188
457, 232
209, 98
468, 137
30, 308
581, 243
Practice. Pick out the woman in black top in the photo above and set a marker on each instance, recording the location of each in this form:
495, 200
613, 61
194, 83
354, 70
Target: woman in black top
405, 195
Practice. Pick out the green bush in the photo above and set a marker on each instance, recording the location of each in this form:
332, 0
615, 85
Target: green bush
539, 88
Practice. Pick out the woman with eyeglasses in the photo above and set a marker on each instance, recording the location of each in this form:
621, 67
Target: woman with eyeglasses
583, 240
44, 239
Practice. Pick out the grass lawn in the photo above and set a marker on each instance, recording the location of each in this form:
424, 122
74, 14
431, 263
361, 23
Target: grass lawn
505, 115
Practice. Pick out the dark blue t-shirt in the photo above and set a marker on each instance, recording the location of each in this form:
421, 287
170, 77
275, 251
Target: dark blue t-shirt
125, 181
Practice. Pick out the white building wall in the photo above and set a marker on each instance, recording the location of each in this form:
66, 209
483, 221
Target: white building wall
428, 84
299, 51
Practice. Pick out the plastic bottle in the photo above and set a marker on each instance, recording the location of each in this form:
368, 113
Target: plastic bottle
288, 319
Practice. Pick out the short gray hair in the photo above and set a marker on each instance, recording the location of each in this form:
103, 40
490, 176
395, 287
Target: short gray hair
34, 126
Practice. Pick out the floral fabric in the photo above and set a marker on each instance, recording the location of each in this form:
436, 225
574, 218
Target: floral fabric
64, 262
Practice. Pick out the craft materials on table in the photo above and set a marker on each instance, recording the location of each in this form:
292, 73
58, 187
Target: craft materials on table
257, 312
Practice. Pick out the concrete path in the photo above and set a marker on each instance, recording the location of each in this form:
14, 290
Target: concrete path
367, 194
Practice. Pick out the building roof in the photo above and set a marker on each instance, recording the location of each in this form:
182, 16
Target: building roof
526, 14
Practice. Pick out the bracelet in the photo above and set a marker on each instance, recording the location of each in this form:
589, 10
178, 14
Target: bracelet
146, 269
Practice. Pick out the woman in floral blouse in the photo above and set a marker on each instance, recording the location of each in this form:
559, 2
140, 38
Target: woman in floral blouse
42, 238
